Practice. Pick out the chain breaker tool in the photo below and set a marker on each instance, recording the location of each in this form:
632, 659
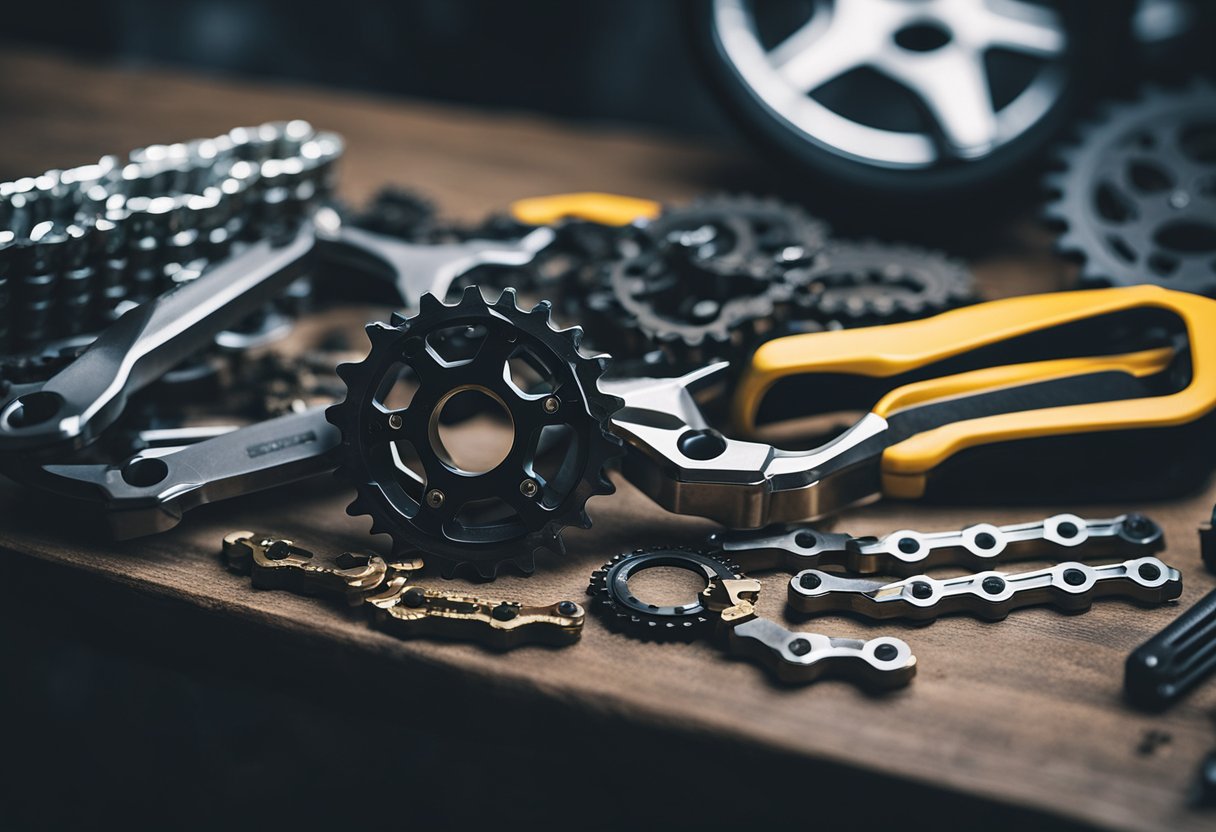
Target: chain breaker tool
725, 611
907, 552
1070, 587
395, 605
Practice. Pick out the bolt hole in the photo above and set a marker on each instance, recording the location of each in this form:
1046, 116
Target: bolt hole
145, 472
34, 409
701, 444
908, 545
1074, 577
985, 540
1067, 529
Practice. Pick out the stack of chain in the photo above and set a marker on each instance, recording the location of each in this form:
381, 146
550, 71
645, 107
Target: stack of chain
78, 244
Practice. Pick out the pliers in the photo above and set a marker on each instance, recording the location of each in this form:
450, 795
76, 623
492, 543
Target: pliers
1104, 393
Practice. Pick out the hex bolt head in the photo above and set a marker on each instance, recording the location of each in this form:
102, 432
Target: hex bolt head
809, 581
800, 647
394, 421
993, 585
921, 590
567, 608
551, 404
435, 498
529, 488
908, 545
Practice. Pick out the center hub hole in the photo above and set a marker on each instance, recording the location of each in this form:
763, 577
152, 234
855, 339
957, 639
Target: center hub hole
666, 586
472, 447
923, 37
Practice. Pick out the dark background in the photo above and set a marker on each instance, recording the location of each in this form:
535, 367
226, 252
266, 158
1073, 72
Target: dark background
621, 61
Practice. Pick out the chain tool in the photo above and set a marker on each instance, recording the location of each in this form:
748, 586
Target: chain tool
725, 611
907, 552
395, 605
1070, 587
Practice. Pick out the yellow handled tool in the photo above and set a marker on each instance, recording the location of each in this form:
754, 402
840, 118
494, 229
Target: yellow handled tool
1086, 395
956, 383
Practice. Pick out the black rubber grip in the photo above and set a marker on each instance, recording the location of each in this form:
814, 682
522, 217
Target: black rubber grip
1160, 671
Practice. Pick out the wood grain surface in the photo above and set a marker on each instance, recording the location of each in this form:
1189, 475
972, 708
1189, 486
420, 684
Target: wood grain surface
1026, 712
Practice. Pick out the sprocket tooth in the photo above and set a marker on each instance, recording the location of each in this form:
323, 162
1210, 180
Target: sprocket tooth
507, 300
471, 298
397, 319
428, 304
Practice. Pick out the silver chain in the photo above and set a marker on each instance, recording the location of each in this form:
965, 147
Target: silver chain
77, 243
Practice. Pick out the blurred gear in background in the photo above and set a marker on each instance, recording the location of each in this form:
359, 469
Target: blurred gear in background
869, 283
930, 99
1136, 199
705, 279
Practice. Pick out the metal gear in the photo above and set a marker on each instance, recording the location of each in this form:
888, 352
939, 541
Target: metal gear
706, 277
609, 589
1135, 200
440, 508
868, 283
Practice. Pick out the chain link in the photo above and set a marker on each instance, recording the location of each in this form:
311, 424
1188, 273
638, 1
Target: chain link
76, 245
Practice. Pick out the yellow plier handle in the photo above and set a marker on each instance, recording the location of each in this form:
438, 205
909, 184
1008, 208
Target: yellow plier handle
605, 209
1006, 375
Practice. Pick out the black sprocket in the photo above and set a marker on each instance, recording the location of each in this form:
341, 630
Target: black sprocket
870, 283
1135, 197
430, 508
704, 279
611, 598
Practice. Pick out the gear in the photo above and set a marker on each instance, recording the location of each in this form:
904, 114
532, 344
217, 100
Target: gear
867, 283
705, 277
609, 588
462, 519
1135, 200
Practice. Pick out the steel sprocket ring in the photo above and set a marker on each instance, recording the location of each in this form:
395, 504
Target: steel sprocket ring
707, 277
1135, 199
609, 589
423, 512
869, 283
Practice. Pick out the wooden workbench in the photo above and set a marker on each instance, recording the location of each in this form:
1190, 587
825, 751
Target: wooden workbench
1020, 720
